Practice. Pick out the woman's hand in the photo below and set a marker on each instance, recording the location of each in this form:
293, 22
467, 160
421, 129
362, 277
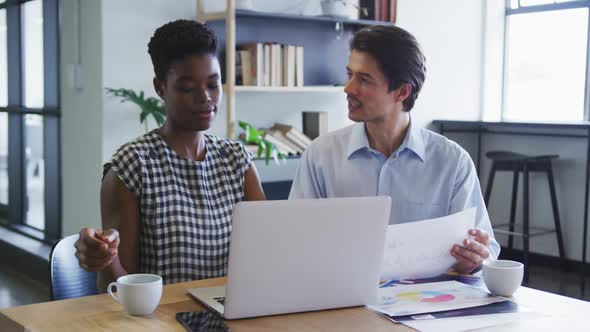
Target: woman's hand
96, 250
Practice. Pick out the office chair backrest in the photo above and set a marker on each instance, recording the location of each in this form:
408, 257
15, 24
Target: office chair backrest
68, 279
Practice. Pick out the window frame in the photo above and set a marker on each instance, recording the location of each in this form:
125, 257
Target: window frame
13, 215
539, 9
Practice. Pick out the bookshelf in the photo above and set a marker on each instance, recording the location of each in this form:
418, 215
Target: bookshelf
325, 40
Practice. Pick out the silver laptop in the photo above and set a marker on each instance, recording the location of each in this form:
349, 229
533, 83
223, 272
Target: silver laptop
301, 255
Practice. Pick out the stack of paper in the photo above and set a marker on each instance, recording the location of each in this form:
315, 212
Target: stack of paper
445, 306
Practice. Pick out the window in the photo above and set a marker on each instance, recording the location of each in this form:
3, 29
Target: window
32, 26
35, 172
3, 159
545, 65
3, 116
29, 118
3, 60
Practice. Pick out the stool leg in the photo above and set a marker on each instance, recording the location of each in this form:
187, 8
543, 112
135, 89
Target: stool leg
513, 206
525, 230
556, 215
486, 197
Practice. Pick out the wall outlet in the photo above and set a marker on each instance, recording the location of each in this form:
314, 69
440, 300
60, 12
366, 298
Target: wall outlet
75, 80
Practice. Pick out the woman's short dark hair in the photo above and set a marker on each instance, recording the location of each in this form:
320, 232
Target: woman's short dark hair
175, 40
398, 55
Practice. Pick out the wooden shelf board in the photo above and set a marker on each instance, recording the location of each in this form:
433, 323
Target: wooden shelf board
264, 15
216, 16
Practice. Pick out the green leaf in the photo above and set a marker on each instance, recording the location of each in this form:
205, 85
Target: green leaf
142, 116
159, 118
148, 106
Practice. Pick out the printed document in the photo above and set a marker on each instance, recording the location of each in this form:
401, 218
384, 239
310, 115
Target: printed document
403, 300
421, 249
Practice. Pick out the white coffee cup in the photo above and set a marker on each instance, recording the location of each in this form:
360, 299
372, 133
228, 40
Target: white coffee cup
139, 294
503, 277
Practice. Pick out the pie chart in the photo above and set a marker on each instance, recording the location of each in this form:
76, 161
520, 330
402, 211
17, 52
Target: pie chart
425, 296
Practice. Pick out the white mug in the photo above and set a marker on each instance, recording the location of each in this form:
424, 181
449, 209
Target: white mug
138, 293
503, 277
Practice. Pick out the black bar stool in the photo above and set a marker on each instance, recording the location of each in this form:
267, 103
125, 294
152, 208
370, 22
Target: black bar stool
516, 162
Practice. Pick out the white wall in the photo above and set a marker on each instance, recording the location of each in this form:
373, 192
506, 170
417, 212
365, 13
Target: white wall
127, 28
81, 115
450, 33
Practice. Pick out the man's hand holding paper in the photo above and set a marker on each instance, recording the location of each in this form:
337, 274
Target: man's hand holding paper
471, 255
430, 247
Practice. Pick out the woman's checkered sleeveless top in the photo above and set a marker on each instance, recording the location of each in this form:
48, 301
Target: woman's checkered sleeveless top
186, 206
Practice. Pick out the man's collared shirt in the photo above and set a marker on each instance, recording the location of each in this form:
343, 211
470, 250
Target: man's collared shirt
428, 176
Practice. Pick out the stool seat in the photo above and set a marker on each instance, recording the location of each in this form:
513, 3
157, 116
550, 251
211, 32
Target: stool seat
513, 156
513, 161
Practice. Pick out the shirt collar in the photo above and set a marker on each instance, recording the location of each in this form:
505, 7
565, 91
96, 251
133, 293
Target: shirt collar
358, 139
414, 141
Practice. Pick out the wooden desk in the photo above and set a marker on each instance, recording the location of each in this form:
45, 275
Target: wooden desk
101, 313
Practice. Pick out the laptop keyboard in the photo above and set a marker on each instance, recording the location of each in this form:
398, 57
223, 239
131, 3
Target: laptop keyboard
221, 300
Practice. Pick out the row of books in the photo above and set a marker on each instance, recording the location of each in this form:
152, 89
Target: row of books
287, 139
269, 64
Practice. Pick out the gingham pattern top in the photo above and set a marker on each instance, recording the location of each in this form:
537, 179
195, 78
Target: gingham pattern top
186, 206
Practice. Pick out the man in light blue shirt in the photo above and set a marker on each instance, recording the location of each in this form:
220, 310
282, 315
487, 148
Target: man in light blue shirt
426, 175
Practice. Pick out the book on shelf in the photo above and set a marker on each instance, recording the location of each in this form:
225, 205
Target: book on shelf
392, 11
377, 8
285, 64
289, 142
383, 10
266, 71
299, 63
276, 65
293, 134
278, 143
250, 57
259, 63
291, 60
246, 67
315, 123
239, 80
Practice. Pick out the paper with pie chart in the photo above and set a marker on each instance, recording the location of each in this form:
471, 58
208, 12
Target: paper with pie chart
403, 300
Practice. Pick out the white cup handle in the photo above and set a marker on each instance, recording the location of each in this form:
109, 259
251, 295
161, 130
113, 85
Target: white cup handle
110, 291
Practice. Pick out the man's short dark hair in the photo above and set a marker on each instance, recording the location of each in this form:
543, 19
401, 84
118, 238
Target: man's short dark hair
175, 40
398, 55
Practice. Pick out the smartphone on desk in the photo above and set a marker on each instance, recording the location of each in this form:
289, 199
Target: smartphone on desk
201, 321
